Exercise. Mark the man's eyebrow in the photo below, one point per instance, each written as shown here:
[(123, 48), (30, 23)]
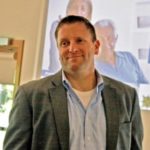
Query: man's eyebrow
[(63, 39)]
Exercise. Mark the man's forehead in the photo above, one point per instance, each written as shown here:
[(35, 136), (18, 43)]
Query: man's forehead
[(74, 36), (80, 26)]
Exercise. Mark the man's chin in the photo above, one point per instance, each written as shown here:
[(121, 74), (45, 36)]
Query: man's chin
[(73, 68)]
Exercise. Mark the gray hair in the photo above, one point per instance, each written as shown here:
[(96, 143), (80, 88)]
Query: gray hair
[(106, 23)]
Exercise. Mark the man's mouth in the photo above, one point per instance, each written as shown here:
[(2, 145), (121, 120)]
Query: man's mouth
[(73, 56)]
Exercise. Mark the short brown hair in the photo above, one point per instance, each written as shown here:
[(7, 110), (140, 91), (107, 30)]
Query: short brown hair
[(74, 19)]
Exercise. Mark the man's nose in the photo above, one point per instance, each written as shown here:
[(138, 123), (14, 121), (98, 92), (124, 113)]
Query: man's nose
[(73, 47)]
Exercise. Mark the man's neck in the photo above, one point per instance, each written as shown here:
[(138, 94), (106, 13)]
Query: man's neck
[(82, 82)]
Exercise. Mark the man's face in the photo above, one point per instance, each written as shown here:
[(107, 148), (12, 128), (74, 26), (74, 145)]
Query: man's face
[(107, 37), (79, 8), (76, 47)]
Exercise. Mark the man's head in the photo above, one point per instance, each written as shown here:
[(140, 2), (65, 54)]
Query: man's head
[(80, 8), (106, 33), (77, 43)]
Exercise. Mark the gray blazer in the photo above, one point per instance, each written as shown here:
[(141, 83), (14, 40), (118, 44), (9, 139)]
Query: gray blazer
[(39, 117)]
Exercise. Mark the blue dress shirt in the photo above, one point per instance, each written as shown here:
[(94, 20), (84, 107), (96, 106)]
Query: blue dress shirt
[(87, 126)]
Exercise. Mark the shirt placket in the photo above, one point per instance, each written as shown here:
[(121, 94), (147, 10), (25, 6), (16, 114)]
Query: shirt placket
[(88, 131)]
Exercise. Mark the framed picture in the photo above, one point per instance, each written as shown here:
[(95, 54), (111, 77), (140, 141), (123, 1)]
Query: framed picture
[(143, 53), (143, 21)]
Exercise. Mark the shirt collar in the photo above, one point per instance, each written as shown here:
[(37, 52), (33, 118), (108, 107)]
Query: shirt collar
[(99, 86), (65, 81)]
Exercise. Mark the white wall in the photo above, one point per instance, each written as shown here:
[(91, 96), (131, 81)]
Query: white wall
[(23, 19)]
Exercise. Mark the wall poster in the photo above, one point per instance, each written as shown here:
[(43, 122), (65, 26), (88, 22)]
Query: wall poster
[(132, 49)]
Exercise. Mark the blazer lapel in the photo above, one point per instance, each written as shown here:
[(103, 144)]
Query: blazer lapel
[(111, 106), (60, 107)]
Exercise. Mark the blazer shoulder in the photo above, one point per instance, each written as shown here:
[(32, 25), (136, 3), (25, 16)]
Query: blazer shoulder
[(117, 84), (43, 83)]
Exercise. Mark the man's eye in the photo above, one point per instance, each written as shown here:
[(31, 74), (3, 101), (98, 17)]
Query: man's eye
[(64, 44), (80, 41)]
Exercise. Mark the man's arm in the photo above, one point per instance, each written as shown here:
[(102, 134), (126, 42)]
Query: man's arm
[(137, 126), (18, 135)]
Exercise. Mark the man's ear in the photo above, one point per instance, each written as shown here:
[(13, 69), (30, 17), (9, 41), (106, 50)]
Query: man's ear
[(97, 46)]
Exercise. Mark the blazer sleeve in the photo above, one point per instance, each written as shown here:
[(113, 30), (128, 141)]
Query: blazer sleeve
[(19, 131), (137, 126)]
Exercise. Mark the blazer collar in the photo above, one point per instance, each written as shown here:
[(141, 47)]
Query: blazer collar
[(60, 108)]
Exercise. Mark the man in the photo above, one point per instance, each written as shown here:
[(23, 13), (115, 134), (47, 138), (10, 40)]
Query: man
[(74, 7), (120, 65), (77, 108)]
